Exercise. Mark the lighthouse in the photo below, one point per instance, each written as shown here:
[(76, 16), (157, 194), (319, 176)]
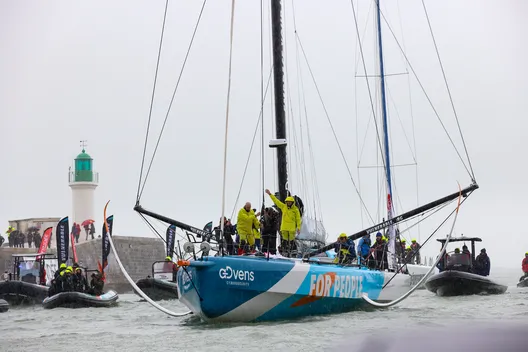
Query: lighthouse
[(83, 182)]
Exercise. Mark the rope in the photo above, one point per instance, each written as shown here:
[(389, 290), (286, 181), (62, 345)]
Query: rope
[(315, 198), (172, 99), (449, 92), (428, 238), (252, 144), (332, 126), (138, 290), (428, 98), (368, 85), (152, 101), (262, 161), (227, 113), (398, 300)]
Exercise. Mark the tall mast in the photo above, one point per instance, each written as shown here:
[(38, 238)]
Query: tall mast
[(391, 230), (278, 80)]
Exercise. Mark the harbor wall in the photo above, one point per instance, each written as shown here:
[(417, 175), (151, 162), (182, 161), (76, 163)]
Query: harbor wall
[(136, 253)]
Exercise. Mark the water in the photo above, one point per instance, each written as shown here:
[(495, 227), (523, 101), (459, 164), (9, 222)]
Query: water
[(134, 325)]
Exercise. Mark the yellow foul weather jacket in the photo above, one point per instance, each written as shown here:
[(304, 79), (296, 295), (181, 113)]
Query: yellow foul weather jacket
[(245, 222), (291, 217)]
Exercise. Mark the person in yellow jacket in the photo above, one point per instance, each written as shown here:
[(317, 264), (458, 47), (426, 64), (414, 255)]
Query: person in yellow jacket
[(246, 220), (291, 221), (256, 232)]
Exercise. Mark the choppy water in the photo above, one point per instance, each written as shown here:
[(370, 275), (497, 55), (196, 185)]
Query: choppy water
[(134, 325)]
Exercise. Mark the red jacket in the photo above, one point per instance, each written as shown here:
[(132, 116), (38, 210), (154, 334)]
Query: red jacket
[(525, 265)]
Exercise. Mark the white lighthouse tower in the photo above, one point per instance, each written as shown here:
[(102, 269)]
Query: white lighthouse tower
[(83, 182)]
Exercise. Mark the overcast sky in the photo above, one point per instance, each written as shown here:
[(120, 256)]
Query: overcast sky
[(85, 70)]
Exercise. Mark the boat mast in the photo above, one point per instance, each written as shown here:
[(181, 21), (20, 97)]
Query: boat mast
[(390, 215), (280, 115)]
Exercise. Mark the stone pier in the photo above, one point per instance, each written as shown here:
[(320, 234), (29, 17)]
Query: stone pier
[(136, 253)]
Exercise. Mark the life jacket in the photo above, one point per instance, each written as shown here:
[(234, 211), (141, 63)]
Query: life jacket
[(364, 246)]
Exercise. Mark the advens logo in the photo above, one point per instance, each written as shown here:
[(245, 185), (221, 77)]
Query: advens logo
[(187, 280), (236, 277)]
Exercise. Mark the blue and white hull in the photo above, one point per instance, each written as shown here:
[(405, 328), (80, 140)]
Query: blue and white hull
[(241, 288)]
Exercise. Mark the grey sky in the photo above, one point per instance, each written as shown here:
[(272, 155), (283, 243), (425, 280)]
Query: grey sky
[(73, 71)]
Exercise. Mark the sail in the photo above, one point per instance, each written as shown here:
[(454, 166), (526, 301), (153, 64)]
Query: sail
[(106, 240), (312, 230), (63, 240), (169, 240)]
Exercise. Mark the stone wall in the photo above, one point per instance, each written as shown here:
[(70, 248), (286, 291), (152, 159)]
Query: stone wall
[(136, 253)]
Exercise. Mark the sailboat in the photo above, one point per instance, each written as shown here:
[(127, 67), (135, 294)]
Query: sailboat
[(262, 288)]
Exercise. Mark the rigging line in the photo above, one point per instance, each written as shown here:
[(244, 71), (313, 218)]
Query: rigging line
[(411, 112), (173, 95), (152, 227), (448, 91), (380, 166), (302, 104), (152, 102), (433, 211), (272, 110), (262, 161), (363, 36), (391, 98), (227, 113), (367, 80), (455, 211), (428, 98), (365, 297), (315, 196), (252, 144), (332, 126), (358, 160), (288, 108), (309, 141)]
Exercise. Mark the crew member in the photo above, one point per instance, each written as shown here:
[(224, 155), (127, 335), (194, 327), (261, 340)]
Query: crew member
[(290, 224), (345, 250), (245, 221), (524, 266)]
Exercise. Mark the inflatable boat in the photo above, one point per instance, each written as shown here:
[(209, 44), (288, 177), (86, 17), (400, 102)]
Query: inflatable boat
[(20, 292), (80, 300), (4, 306), (158, 289)]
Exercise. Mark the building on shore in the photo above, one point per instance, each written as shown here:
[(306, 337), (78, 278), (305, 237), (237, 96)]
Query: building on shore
[(41, 224)]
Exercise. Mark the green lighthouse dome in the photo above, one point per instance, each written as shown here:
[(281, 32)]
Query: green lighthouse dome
[(83, 168)]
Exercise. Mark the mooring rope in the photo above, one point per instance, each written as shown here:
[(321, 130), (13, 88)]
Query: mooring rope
[(138, 290), (398, 300)]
